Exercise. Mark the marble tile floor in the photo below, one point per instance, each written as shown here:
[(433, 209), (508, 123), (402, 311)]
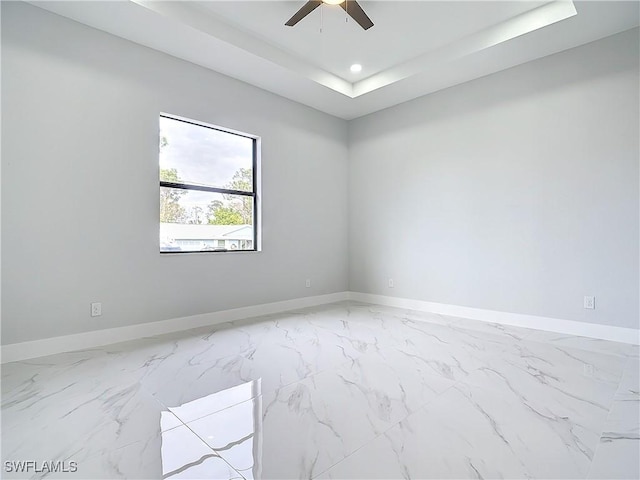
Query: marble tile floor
[(340, 391)]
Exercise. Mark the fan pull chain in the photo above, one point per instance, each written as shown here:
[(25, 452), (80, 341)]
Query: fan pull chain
[(321, 17), (346, 11)]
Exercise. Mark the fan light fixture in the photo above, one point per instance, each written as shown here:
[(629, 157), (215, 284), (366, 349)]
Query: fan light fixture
[(351, 7)]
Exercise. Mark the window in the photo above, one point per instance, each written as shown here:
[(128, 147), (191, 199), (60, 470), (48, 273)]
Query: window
[(208, 188)]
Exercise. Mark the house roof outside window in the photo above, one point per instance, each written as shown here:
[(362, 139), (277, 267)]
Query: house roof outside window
[(177, 231)]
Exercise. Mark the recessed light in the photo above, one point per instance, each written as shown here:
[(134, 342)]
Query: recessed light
[(356, 67)]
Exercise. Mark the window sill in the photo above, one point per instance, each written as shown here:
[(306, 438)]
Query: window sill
[(206, 252)]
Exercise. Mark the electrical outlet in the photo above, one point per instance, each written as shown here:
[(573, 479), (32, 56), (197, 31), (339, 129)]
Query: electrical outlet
[(588, 370), (96, 309), (391, 284), (590, 302), (308, 283)]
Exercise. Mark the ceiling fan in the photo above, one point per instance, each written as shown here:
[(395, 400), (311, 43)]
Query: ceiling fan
[(354, 10)]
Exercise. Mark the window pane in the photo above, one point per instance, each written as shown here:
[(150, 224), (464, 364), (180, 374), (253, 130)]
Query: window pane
[(203, 156), (202, 221)]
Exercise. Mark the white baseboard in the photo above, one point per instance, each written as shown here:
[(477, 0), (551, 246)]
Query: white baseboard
[(81, 341), (97, 338), (569, 327)]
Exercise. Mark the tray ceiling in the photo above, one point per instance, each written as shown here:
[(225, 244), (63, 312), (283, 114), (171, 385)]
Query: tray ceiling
[(414, 48)]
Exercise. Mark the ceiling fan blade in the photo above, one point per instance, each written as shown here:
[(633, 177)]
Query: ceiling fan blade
[(306, 9), (357, 13)]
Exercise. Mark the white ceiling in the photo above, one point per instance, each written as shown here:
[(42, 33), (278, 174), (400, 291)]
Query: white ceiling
[(341, 43), (414, 48)]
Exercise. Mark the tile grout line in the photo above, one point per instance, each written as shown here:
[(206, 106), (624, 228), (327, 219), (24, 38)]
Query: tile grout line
[(604, 425), (213, 449), (183, 424), (386, 430)]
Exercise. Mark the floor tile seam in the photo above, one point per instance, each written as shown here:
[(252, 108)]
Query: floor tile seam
[(438, 327), (158, 400), (112, 418), (385, 430), (602, 430), (619, 395), (112, 450), (626, 397), (481, 356), (497, 390), (530, 332), (182, 422), (501, 336), (526, 337), (462, 382), (449, 323), (145, 439), (456, 381), (260, 395), (631, 362), (569, 349), (572, 347), (595, 450), (213, 449), (471, 371), (263, 392), (617, 392), (450, 327), (383, 348), (315, 373), (597, 352), (82, 382), (631, 357), (425, 404), (274, 390), (254, 320), (496, 339)]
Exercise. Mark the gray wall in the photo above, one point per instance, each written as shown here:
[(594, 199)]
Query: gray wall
[(516, 192), (80, 193)]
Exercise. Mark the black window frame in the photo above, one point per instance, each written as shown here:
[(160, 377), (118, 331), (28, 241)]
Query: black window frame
[(202, 188)]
